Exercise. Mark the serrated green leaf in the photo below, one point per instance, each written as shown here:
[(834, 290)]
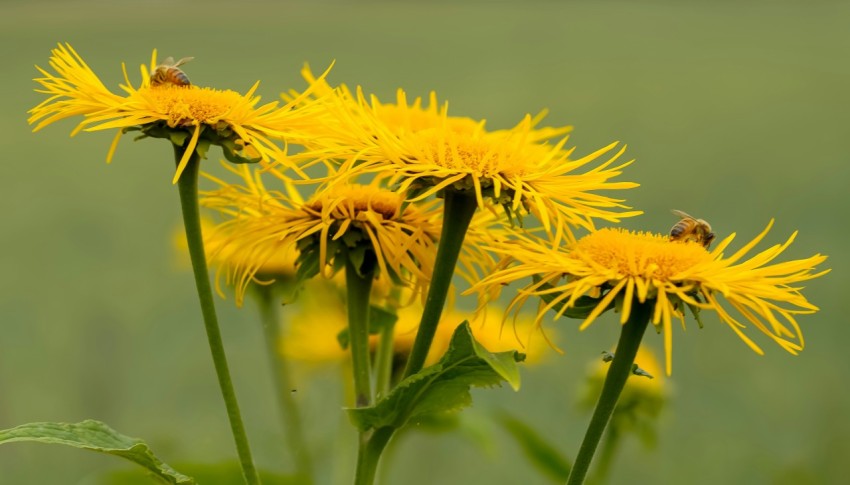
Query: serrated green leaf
[(539, 451), (442, 387), (96, 436)]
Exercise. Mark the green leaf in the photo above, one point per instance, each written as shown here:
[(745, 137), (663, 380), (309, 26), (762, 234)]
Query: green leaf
[(540, 452), (205, 473), (442, 387), (95, 436)]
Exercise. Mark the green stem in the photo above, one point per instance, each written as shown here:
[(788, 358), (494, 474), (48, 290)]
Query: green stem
[(188, 187), (384, 361), (458, 210), (630, 337), (288, 407), (369, 454), (358, 284), (610, 444)]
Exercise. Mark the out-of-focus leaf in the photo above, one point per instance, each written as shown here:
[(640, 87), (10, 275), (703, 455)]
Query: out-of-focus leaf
[(96, 436), (206, 474), (542, 454)]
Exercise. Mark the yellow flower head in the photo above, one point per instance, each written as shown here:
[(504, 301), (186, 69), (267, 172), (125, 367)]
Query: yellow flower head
[(399, 117), (424, 150), (614, 267), (336, 224), (280, 267), (188, 115)]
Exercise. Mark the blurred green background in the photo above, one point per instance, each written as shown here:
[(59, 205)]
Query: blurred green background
[(735, 112)]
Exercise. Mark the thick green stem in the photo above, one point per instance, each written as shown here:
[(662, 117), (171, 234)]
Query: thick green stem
[(458, 210), (630, 337), (287, 405), (605, 458), (358, 284), (188, 187), (372, 444)]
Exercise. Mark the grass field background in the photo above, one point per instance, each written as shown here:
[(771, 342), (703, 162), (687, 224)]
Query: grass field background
[(735, 112)]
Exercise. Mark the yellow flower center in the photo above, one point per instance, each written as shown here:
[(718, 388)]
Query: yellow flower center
[(639, 254), (407, 119), (484, 155), (358, 199), (191, 105)]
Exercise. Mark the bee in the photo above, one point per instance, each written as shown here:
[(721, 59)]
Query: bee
[(169, 73), (691, 229)]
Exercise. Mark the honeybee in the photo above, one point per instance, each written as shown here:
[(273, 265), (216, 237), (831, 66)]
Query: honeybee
[(691, 229), (169, 73)]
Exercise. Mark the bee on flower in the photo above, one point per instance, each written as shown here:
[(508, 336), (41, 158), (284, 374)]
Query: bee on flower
[(616, 268)]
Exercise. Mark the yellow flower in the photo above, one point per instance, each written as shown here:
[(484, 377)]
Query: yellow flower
[(311, 328), (191, 115), (399, 117), (425, 150), (641, 401), (342, 222), (524, 337), (280, 267), (615, 267), (311, 334)]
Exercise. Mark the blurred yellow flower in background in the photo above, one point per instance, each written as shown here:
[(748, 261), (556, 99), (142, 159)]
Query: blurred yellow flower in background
[(311, 331), (280, 267), (639, 406), (616, 267), (186, 114), (640, 389)]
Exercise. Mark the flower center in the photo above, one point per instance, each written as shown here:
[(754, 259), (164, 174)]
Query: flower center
[(357, 199), (466, 152), (639, 254), (191, 105), (414, 119)]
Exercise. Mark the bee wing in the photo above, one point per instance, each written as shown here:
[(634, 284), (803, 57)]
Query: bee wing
[(168, 61), (181, 61), (683, 215)]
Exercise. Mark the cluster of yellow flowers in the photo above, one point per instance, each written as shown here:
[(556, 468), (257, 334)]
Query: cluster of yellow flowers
[(377, 167)]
